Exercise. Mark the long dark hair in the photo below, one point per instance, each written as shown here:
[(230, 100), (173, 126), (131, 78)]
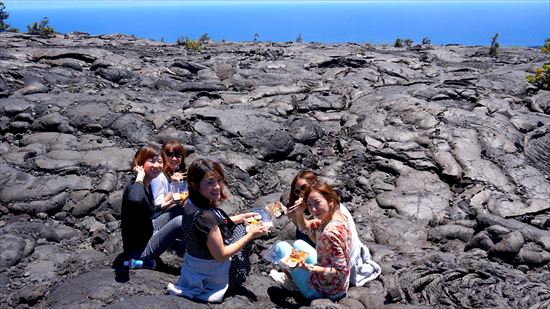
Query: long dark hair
[(195, 174), (175, 146), (309, 176)]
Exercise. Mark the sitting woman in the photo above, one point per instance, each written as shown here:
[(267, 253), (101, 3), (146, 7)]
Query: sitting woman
[(214, 260), (299, 184), (326, 271), (363, 268), (173, 174), (143, 237)]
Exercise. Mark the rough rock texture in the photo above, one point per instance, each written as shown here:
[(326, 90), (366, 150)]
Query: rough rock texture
[(441, 154)]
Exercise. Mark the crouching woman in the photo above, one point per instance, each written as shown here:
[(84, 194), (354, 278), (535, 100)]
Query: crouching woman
[(214, 241), (326, 271)]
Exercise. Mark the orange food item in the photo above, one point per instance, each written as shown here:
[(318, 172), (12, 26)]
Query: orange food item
[(184, 195), (254, 220), (297, 256)]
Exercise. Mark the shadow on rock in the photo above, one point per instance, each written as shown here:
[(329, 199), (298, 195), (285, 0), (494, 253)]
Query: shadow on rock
[(122, 273), (286, 299)]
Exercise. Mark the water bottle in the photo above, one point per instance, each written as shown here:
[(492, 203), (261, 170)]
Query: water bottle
[(133, 264), (183, 186)]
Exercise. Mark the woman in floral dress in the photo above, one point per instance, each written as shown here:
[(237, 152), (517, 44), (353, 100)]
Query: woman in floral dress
[(325, 273)]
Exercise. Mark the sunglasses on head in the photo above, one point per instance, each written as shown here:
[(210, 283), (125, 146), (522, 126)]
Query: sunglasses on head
[(171, 154)]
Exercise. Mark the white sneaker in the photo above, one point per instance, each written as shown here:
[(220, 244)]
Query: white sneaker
[(283, 280), (173, 289)]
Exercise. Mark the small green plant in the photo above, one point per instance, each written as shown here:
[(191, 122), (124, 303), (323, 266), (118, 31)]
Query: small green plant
[(299, 39), (545, 49), (5, 27), (204, 38), (189, 44), (192, 44), (426, 41), (493, 50), (541, 79), (256, 37), (41, 29), (408, 42), (3, 16), (398, 43)]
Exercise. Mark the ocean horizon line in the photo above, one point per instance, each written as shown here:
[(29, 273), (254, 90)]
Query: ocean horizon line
[(34, 4), (464, 22)]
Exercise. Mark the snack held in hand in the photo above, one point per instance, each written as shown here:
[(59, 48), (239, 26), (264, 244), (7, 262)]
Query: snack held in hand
[(276, 209), (256, 220), (184, 195), (253, 221), (295, 257)]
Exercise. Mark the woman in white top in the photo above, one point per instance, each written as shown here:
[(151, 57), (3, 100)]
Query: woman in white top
[(174, 171)]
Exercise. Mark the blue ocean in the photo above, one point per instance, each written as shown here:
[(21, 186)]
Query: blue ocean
[(519, 23)]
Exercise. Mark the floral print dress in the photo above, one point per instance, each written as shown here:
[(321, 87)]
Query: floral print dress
[(334, 254)]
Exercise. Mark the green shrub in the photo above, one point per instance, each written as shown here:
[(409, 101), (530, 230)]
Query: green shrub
[(195, 45), (256, 37), (493, 50), (426, 41), (541, 79), (204, 38), (398, 43), (189, 44), (408, 42), (3, 16), (546, 48), (299, 38), (41, 29)]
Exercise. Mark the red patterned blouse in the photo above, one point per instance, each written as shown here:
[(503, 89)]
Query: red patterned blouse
[(334, 254)]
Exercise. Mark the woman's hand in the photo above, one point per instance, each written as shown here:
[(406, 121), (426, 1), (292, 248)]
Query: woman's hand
[(139, 172), (298, 207), (178, 176), (169, 201), (258, 230), (307, 267), (243, 217), (314, 224)]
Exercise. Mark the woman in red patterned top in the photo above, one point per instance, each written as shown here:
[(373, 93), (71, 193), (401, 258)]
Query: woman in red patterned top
[(328, 276)]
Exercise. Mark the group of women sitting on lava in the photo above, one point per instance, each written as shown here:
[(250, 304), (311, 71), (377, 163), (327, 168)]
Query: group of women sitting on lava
[(217, 246)]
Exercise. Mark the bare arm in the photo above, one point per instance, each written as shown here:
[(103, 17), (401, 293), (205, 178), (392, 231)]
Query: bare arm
[(168, 201), (238, 219), (220, 252)]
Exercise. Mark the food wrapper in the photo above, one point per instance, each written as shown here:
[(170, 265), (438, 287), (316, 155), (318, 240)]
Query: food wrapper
[(262, 217), (295, 257), (291, 261), (276, 209)]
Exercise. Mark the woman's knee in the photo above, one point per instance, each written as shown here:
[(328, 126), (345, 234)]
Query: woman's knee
[(282, 249), (304, 246)]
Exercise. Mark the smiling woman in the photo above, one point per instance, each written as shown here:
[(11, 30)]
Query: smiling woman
[(218, 250), (143, 237), (464, 22)]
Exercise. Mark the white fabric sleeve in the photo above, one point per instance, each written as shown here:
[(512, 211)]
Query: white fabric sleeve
[(159, 188)]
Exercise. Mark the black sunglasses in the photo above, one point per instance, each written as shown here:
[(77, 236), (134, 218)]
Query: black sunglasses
[(299, 190), (171, 154)]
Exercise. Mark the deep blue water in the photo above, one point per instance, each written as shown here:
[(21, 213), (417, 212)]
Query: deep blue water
[(520, 23)]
